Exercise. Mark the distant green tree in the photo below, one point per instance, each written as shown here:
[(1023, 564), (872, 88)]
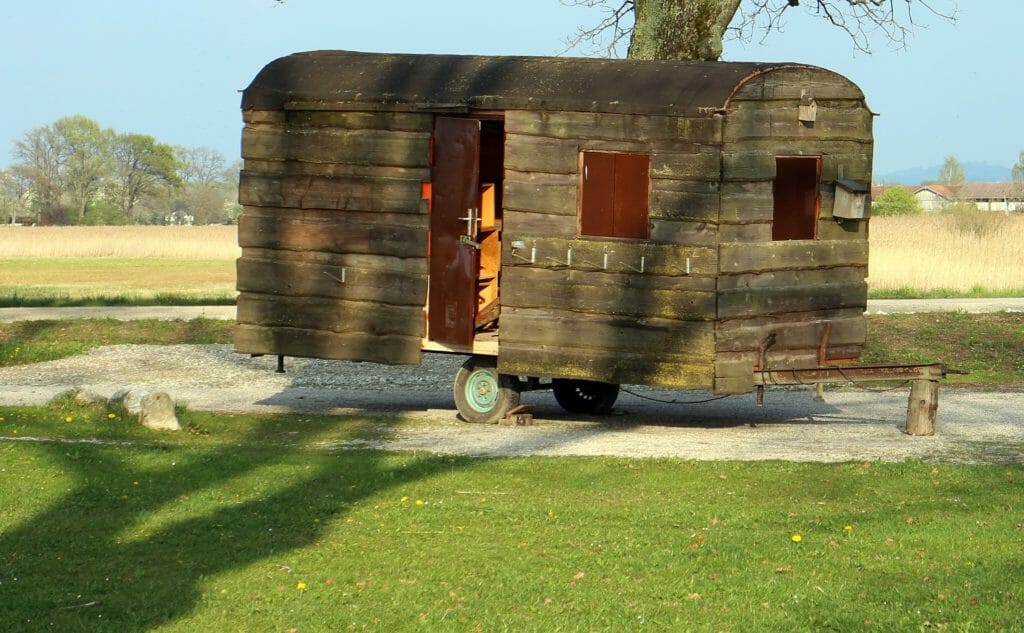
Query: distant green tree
[(209, 188), (142, 167), (896, 201), (200, 165), (42, 155), (103, 212), (14, 195), (65, 164), (87, 164), (952, 173), (74, 171)]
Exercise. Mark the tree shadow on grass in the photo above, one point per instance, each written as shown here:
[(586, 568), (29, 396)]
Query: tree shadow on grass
[(88, 561)]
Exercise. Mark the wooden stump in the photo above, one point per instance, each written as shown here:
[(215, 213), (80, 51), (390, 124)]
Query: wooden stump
[(922, 408)]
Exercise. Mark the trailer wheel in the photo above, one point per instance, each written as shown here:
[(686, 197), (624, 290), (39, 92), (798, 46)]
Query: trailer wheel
[(482, 395), (585, 396)]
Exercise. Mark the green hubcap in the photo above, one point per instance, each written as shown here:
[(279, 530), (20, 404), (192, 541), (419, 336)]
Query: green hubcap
[(482, 391)]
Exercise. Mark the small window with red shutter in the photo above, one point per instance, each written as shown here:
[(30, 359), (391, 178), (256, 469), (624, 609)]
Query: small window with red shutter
[(614, 194)]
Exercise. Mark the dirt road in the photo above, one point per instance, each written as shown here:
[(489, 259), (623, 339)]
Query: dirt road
[(851, 424)]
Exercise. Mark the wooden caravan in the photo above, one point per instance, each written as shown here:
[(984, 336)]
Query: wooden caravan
[(596, 222)]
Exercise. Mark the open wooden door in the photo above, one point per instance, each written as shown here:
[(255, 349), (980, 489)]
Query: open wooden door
[(455, 214)]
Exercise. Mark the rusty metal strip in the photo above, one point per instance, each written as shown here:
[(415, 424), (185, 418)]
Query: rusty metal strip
[(859, 373)]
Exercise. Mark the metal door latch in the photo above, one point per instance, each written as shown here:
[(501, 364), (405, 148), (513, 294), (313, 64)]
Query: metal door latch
[(471, 219)]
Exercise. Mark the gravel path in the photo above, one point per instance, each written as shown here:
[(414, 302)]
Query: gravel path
[(849, 425)]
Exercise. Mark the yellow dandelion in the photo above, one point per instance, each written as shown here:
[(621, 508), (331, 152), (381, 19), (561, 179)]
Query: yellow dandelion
[(796, 538), (69, 419), (420, 502), (111, 416), (405, 499), (847, 528), (301, 586)]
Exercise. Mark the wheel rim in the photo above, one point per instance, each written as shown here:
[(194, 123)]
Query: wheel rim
[(482, 391), (585, 394)]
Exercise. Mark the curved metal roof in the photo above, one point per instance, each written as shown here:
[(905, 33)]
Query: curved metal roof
[(499, 83)]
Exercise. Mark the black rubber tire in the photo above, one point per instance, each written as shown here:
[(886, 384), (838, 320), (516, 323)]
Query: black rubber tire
[(482, 395), (585, 396)]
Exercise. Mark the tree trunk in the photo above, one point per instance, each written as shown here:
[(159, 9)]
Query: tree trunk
[(680, 29)]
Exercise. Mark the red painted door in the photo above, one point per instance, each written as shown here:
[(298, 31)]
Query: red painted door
[(455, 190)]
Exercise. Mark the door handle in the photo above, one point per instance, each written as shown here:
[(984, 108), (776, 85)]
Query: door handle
[(470, 220)]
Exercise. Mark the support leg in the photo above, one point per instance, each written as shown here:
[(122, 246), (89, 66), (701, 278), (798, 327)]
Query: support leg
[(922, 407)]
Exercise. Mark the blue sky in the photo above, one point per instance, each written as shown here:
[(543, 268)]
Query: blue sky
[(173, 68)]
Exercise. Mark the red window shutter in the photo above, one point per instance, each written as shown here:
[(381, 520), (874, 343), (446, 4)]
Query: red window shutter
[(632, 192), (615, 195)]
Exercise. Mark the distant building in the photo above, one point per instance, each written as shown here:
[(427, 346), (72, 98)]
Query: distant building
[(987, 196), (994, 196), (179, 218)]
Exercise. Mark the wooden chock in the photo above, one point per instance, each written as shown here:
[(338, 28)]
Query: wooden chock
[(521, 415), (922, 407)]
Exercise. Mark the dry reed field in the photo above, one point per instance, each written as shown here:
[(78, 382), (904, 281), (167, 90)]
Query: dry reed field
[(946, 252), (124, 242), (126, 262)]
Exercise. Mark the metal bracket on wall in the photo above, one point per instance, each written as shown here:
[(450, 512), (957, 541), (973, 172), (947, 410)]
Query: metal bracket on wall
[(519, 244), (643, 264), (344, 271), (568, 258), (685, 271)]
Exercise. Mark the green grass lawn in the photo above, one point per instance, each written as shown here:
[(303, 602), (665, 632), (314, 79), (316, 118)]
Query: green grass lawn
[(255, 524), (23, 342), (250, 523), (977, 292), (990, 347)]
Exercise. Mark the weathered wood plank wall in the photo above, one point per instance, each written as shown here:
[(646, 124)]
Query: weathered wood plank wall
[(789, 289), (333, 234), (591, 313), (334, 238)]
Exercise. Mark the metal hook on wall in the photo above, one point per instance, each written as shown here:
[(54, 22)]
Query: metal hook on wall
[(340, 281), (518, 244), (604, 260), (568, 258), (643, 264), (685, 271)]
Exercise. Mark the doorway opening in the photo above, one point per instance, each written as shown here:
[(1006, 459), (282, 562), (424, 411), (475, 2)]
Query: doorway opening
[(795, 214), (467, 171)]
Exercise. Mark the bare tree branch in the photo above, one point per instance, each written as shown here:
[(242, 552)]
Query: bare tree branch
[(863, 21), (603, 39)]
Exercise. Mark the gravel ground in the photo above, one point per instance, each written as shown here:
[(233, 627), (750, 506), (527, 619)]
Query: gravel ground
[(850, 425)]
